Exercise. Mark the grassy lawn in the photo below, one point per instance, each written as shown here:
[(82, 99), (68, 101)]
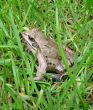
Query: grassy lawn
[(69, 22)]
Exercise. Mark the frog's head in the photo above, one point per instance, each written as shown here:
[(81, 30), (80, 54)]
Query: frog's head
[(29, 38)]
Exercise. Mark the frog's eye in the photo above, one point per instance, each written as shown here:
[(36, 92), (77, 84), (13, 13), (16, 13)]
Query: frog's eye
[(31, 38)]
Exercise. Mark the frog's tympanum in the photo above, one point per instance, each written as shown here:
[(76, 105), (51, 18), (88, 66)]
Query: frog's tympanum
[(48, 56)]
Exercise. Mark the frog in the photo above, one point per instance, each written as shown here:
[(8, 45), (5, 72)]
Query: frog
[(48, 55)]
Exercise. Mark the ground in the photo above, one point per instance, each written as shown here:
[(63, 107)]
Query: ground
[(68, 22)]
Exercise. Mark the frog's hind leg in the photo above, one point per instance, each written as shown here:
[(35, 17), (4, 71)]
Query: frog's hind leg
[(41, 69), (60, 77)]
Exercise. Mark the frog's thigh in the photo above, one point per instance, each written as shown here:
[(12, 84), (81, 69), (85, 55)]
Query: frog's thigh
[(41, 69)]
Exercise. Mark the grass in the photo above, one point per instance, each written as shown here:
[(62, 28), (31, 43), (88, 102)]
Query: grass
[(69, 22)]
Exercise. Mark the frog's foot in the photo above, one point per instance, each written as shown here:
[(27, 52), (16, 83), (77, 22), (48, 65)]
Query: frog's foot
[(38, 78), (39, 74), (59, 77)]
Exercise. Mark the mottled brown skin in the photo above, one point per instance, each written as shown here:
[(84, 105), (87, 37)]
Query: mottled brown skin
[(48, 53)]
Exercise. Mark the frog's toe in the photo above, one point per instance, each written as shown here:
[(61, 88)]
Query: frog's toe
[(37, 78)]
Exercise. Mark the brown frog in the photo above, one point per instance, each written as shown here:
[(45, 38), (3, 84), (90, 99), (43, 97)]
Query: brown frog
[(48, 53)]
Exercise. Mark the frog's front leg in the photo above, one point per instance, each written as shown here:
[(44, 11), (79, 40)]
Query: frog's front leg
[(41, 69)]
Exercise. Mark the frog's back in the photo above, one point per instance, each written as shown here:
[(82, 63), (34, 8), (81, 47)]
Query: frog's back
[(48, 47)]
